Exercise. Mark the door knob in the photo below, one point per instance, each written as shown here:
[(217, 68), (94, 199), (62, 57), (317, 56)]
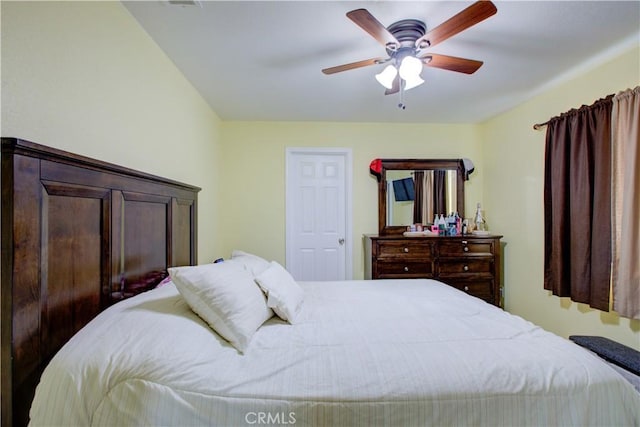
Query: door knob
[(341, 241)]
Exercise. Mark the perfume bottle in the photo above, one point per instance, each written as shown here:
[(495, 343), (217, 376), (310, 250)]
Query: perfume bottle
[(479, 222)]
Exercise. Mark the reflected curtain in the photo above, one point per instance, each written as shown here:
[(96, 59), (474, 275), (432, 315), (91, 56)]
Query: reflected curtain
[(439, 192), (626, 203), (428, 197), (418, 201), (577, 205), (423, 203)]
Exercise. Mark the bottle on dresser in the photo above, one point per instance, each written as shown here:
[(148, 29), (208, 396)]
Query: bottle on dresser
[(478, 220), (442, 225)]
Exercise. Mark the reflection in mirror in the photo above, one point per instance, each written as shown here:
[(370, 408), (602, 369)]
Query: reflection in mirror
[(407, 190), (416, 196)]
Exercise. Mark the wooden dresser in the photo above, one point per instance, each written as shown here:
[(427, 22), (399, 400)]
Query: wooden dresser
[(470, 263)]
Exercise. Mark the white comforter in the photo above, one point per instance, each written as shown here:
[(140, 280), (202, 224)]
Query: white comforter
[(394, 352)]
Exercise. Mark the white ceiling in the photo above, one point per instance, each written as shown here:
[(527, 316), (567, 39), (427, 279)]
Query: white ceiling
[(262, 60)]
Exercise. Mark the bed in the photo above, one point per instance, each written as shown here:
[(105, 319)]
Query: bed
[(361, 353), (115, 339)]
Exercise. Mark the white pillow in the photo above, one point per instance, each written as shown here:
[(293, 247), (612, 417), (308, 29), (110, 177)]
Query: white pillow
[(253, 263), (226, 297), (284, 295)]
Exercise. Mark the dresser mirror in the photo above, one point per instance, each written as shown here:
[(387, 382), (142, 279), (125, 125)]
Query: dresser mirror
[(412, 191)]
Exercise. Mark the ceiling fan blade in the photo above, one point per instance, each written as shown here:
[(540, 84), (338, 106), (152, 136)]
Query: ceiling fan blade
[(371, 25), (477, 12), (395, 88), (351, 66), (451, 63)]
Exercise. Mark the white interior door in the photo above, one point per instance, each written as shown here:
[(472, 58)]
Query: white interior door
[(318, 220)]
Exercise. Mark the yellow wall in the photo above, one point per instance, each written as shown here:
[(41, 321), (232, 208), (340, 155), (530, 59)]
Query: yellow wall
[(84, 77), (508, 180), (254, 171), (513, 188)]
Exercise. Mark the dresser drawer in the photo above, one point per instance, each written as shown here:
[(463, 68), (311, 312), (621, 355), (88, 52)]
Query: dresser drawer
[(482, 289), (403, 269), (465, 266), (464, 247), (405, 249), (469, 263)]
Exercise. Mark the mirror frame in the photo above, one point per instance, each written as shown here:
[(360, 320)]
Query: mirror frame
[(414, 164)]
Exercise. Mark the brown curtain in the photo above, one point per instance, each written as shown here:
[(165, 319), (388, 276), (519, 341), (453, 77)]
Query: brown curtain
[(577, 205), (626, 203), (423, 204), (439, 192), (427, 207), (418, 201)]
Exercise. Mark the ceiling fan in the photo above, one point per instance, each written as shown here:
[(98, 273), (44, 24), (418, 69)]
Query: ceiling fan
[(405, 42)]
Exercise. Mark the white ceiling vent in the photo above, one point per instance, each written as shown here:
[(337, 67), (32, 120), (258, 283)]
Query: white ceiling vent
[(185, 3)]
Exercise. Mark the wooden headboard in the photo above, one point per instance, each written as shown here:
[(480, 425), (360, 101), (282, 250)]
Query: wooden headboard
[(78, 235)]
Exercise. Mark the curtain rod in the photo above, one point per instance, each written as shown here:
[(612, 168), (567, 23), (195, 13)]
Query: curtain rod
[(539, 126)]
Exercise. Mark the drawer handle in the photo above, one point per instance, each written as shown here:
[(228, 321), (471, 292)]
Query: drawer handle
[(465, 268), (466, 249), (406, 250), (464, 242), (466, 289), (406, 269)]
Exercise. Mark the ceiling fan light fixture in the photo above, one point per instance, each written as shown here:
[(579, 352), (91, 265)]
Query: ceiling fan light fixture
[(412, 82), (410, 68), (405, 41), (386, 76)]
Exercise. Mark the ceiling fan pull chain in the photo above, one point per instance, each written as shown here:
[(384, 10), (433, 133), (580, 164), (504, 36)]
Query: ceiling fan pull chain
[(401, 104)]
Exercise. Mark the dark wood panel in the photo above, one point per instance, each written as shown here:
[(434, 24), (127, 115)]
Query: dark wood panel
[(405, 248), (20, 286), (404, 269), (75, 228), (82, 170), (183, 220), (146, 239), (75, 232), (465, 267), (463, 247)]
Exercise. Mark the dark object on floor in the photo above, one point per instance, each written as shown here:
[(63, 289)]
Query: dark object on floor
[(616, 353)]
